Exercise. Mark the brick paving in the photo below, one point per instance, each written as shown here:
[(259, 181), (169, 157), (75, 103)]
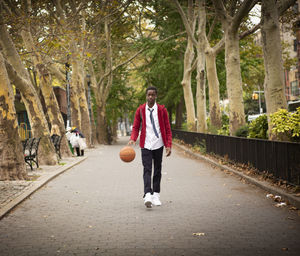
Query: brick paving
[(96, 208)]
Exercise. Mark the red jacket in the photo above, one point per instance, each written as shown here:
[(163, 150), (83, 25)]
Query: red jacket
[(164, 125)]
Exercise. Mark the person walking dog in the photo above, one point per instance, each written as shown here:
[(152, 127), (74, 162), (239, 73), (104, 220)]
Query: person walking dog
[(154, 136)]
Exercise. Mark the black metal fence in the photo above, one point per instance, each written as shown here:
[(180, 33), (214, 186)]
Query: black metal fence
[(282, 159)]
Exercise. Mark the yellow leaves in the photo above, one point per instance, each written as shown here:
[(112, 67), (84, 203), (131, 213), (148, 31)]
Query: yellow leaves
[(285, 122), (198, 234)]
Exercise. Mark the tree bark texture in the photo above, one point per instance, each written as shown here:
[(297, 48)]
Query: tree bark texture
[(201, 94), (103, 89), (52, 107), (12, 164), (274, 72), (179, 114), (234, 81), (75, 84), (231, 20), (84, 111), (213, 89), (19, 76), (187, 74), (102, 135)]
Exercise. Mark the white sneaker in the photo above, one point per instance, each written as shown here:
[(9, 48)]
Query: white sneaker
[(155, 199), (148, 200)]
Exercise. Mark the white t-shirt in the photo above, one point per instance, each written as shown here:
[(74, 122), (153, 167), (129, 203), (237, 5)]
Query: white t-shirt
[(151, 141)]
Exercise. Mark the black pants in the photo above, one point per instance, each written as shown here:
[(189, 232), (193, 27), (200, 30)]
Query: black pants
[(78, 152), (147, 157)]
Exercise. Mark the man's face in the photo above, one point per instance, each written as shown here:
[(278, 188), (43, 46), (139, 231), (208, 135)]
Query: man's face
[(151, 97)]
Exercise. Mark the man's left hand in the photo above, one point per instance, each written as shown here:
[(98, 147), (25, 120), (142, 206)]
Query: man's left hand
[(168, 151)]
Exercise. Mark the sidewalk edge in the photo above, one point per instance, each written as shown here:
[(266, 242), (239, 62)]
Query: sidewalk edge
[(293, 200), (37, 185)]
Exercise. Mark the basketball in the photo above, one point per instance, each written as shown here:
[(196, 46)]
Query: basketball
[(127, 154)]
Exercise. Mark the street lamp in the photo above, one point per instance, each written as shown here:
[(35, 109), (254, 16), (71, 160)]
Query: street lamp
[(255, 96), (67, 65), (88, 78)]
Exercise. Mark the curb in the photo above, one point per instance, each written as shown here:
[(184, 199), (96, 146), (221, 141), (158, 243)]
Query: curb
[(263, 185), (37, 185)]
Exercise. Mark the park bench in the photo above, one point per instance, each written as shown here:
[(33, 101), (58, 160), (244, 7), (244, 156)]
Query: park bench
[(56, 140), (30, 150)]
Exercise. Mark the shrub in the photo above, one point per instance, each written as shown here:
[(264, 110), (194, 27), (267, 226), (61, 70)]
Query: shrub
[(287, 124), (258, 128), (225, 125), (242, 131)]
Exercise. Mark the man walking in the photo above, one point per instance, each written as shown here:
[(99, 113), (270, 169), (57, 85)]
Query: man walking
[(155, 134)]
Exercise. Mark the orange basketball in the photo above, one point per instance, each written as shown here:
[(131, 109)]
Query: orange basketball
[(127, 154)]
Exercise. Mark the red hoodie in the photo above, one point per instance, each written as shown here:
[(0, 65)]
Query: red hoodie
[(164, 125)]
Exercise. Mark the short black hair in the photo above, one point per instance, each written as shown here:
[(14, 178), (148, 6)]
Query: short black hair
[(151, 88)]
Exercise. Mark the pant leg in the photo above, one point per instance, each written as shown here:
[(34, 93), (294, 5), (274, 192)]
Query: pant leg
[(147, 164), (82, 152), (77, 151), (157, 156)]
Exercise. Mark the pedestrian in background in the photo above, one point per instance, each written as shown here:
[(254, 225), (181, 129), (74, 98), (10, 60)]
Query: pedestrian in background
[(155, 135), (77, 141)]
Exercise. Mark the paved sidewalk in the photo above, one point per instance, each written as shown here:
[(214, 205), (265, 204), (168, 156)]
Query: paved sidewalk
[(289, 197), (13, 193), (96, 208)]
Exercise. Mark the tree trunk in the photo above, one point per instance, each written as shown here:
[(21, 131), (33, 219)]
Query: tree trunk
[(213, 89), (12, 164), (101, 125), (274, 79), (104, 88), (234, 81), (19, 76), (94, 89), (52, 106), (186, 84), (75, 84), (179, 114), (201, 94), (84, 111)]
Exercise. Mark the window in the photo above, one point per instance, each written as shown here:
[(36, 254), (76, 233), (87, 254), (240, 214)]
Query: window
[(295, 88)]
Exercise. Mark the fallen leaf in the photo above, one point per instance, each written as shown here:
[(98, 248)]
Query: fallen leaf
[(284, 249), (277, 198), (280, 204), (198, 234), (293, 208)]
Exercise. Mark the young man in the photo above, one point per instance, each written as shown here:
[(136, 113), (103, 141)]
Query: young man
[(155, 134)]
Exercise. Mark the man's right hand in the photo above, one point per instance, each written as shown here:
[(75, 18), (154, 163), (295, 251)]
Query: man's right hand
[(131, 142)]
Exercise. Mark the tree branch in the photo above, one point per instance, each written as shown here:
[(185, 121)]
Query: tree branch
[(250, 31), (244, 9), (284, 5), (186, 23), (212, 27)]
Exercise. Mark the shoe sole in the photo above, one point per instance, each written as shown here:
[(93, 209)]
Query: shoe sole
[(148, 204)]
